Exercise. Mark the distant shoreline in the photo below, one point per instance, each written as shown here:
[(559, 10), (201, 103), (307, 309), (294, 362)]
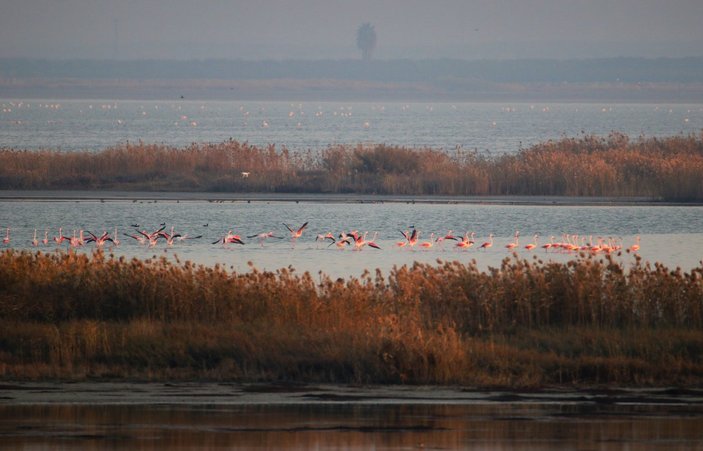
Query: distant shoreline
[(191, 196)]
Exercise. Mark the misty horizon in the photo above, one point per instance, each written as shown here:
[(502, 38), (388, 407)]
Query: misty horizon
[(317, 29)]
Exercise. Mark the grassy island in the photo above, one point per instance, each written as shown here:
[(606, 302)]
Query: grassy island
[(661, 168)]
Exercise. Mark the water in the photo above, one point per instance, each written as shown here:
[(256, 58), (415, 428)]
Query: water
[(672, 235), (235, 416), (485, 127)]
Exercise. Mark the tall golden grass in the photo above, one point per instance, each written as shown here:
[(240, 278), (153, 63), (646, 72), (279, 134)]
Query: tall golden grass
[(666, 168), (589, 321)]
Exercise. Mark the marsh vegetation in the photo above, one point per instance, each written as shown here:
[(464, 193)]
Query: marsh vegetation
[(526, 323), (661, 168)]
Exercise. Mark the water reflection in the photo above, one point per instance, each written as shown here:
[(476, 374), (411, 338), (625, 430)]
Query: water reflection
[(351, 426)]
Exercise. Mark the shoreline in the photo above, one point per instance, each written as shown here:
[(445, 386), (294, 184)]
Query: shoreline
[(194, 196), (13, 393)]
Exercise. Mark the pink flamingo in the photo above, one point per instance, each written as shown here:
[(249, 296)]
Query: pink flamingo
[(514, 244), (488, 243), (295, 234), (428, 244), (532, 245), (372, 243), (6, 240), (634, 248), (265, 235), (229, 238), (35, 241), (549, 245), (60, 238)]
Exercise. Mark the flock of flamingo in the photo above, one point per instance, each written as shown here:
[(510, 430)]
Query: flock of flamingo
[(354, 240)]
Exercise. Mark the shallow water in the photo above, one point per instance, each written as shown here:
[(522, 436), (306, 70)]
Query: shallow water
[(485, 127), (672, 235)]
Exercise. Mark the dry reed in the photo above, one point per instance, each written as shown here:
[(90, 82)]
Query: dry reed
[(665, 168), (589, 321)]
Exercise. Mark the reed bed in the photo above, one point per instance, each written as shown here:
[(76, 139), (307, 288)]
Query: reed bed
[(664, 168), (526, 323)]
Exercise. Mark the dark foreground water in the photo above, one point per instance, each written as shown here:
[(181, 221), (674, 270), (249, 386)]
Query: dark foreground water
[(215, 416)]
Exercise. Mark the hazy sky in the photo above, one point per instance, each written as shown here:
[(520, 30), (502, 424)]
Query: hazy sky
[(310, 29)]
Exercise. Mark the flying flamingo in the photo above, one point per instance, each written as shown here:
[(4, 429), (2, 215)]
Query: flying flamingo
[(295, 234), (412, 240), (98, 240), (229, 238), (341, 243), (359, 241), (406, 235), (323, 237), (263, 236), (488, 243), (140, 239)]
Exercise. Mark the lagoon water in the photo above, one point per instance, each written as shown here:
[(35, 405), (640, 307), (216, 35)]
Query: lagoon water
[(672, 235), (484, 127)]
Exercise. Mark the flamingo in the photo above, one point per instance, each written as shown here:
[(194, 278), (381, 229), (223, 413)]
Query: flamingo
[(412, 241), (229, 238), (263, 236), (140, 239), (372, 242), (6, 240), (341, 243), (35, 241), (115, 239), (532, 245), (359, 241), (549, 245), (428, 244), (295, 234), (466, 242), (98, 240), (406, 235), (60, 238), (488, 243), (45, 241), (514, 244), (634, 248), (448, 236), (169, 237), (326, 236)]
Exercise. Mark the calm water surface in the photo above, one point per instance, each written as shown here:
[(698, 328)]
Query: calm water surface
[(391, 427), (486, 127), (216, 416), (672, 235)]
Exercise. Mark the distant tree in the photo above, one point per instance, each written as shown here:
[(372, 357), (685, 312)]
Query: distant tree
[(366, 40)]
